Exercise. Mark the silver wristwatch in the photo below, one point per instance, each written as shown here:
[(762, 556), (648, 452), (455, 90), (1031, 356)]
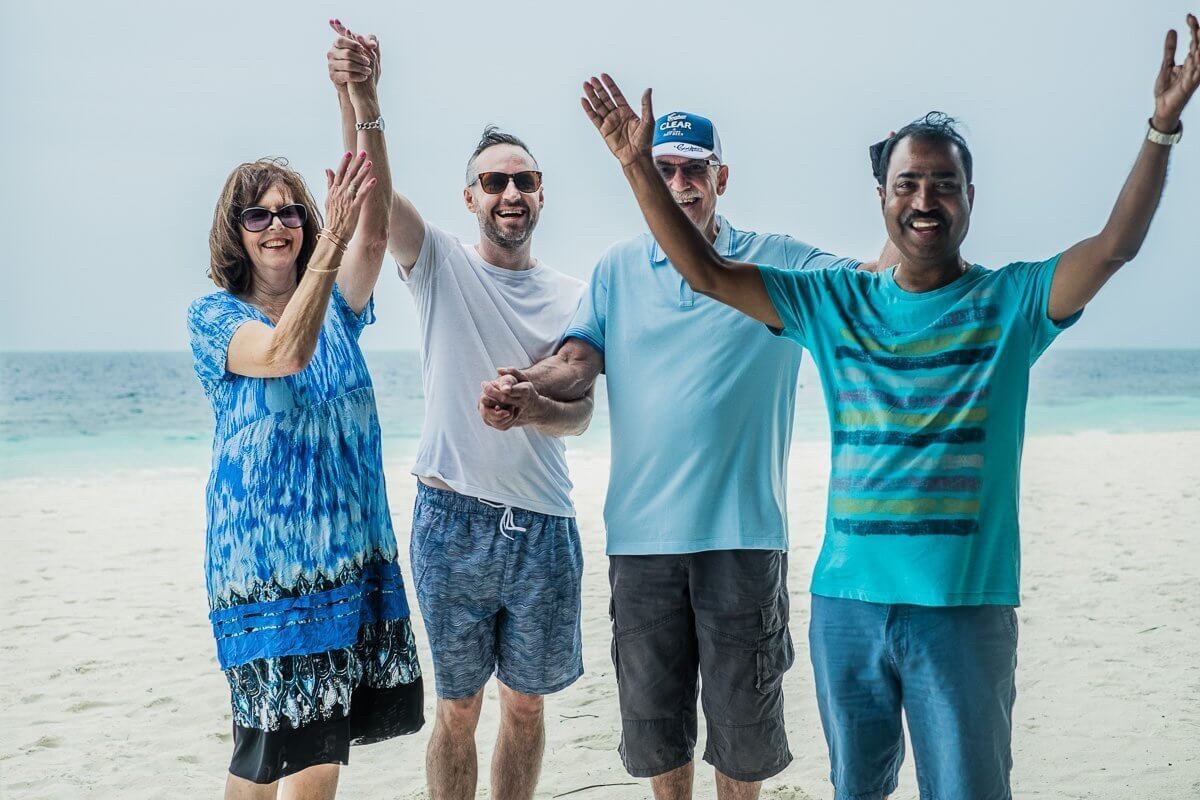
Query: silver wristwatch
[(373, 125), (1158, 137)]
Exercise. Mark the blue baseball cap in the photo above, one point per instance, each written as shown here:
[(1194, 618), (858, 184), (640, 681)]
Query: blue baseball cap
[(689, 135)]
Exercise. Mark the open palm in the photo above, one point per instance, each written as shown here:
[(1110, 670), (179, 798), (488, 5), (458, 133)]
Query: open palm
[(627, 135), (1176, 83)]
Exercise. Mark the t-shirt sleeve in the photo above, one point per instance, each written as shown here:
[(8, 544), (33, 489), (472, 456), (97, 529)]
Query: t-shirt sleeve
[(434, 247), (592, 314), (795, 294), (805, 256), (1032, 281), (801, 255), (212, 321), (354, 322)]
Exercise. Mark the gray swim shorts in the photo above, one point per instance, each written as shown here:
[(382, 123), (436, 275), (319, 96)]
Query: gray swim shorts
[(722, 616), (499, 593)]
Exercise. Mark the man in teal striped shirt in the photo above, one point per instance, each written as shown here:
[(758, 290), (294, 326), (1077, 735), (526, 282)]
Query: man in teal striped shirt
[(925, 371)]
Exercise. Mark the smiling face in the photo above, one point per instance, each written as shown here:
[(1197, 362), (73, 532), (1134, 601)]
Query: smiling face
[(506, 219), (926, 200), (273, 252), (695, 186)]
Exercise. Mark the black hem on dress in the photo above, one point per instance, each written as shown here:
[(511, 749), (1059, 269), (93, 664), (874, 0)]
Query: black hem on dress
[(375, 715)]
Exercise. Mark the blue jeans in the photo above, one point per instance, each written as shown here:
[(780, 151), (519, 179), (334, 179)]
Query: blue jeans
[(950, 669), (499, 592)]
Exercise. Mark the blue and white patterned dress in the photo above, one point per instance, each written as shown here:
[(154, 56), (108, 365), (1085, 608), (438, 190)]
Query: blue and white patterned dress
[(307, 600)]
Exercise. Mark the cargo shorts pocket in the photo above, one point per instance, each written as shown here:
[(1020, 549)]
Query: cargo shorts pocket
[(775, 651), (612, 617)]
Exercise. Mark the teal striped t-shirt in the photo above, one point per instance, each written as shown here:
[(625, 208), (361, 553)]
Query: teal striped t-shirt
[(926, 394)]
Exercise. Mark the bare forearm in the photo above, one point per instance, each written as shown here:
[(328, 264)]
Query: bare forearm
[(558, 418), (684, 244), (346, 111), (735, 284), (567, 375), (373, 226), (364, 258), (1136, 205), (294, 339)]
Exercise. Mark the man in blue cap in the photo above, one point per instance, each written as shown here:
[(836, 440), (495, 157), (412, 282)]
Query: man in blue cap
[(701, 404)]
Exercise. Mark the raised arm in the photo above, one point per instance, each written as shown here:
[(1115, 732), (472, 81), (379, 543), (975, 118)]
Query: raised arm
[(554, 395), (1087, 266), (629, 138), (354, 68), (363, 259), (259, 350)]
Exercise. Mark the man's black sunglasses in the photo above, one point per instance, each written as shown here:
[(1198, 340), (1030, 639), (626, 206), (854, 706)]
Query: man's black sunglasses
[(527, 182)]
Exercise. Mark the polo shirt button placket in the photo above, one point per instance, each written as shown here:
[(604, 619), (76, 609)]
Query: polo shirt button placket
[(687, 297)]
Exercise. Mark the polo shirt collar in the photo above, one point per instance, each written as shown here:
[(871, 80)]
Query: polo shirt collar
[(723, 245)]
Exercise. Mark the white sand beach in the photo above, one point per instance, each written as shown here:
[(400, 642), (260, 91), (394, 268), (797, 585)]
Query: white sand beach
[(110, 685)]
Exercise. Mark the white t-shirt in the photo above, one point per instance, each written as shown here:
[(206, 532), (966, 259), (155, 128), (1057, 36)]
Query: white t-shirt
[(475, 318)]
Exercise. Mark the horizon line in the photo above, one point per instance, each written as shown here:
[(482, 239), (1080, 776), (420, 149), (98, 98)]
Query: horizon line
[(383, 351)]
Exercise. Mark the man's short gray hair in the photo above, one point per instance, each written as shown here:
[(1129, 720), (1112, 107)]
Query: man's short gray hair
[(492, 136)]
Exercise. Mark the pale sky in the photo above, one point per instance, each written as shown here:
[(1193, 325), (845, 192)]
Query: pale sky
[(122, 121)]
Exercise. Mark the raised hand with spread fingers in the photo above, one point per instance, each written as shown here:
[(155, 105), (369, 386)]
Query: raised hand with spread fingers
[(1176, 83), (627, 135)]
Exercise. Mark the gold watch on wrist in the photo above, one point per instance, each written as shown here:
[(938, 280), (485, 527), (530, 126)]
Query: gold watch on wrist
[(1158, 137)]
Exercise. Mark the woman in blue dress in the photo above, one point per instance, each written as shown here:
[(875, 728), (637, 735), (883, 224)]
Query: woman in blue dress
[(307, 602)]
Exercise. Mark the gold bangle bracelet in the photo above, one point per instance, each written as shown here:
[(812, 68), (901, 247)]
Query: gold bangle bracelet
[(314, 269), (332, 240)]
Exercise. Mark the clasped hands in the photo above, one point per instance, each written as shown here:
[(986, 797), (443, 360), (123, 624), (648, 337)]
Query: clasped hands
[(511, 400), (354, 60)]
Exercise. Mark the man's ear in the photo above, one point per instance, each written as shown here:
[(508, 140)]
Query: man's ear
[(469, 199), (882, 196), (722, 178), (971, 195), (541, 198)]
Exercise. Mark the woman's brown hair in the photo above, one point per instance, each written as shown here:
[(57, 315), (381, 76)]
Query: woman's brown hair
[(230, 267)]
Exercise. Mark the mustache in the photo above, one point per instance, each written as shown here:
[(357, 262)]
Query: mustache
[(511, 207), (935, 215)]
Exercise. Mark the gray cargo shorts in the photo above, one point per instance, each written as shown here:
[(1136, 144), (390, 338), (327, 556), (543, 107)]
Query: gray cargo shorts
[(722, 616)]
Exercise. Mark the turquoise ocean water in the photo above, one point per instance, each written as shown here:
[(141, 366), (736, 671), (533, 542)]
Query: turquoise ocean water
[(87, 413)]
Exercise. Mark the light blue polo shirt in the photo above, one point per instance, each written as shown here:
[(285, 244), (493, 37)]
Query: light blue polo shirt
[(701, 400)]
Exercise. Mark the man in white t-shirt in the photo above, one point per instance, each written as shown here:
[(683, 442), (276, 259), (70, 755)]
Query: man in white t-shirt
[(495, 551)]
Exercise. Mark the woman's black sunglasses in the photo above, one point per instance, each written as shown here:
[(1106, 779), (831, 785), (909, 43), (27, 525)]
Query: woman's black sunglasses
[(257, 218), (528, 181)]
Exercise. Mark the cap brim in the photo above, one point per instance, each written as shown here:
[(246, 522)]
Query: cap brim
[(681, 149)]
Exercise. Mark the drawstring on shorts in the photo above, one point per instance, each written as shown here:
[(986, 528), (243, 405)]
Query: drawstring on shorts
[(506, 519)]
